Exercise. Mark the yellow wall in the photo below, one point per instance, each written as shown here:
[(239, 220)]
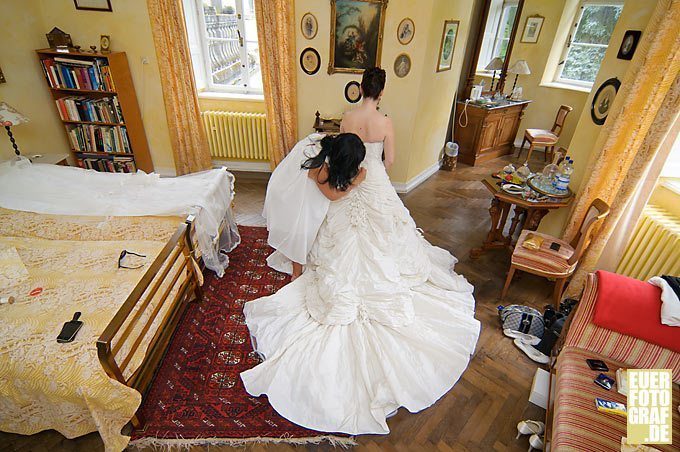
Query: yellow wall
[(635, 15), (21, 32), (437, 89), (419, 104), (24, 24), (546, 100)]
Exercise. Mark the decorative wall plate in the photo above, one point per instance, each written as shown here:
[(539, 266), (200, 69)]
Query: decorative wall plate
[(603, 100), (310, 61), (402, 65), (406, 31), (353, 92), (309, 26)]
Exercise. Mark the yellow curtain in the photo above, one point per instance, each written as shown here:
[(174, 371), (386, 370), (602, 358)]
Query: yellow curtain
[(276, 37), (644, 111), (189, 144)]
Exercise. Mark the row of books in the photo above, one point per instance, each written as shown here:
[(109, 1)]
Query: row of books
[(108, 164), (92, 138), (78, 74), (74, 108)]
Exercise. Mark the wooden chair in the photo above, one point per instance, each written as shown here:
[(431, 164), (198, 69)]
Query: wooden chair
[(558, 265), (543, 137)]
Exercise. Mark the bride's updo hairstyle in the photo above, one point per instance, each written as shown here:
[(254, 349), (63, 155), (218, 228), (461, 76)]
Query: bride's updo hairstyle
[(344, 152), (373, 82)]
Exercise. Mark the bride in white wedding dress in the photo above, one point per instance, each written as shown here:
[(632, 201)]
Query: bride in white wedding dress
[(377, 321)]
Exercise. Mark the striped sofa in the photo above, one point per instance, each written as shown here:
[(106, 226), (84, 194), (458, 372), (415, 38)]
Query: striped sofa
[(577, 425)]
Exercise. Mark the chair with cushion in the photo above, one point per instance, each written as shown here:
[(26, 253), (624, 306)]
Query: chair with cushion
[(543, 137), (558, 265)]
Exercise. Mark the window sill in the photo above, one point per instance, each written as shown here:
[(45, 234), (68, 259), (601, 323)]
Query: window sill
[(567, 86), (231, 96), (672, 184)]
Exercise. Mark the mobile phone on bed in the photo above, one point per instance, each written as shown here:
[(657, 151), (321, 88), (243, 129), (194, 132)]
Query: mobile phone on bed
[(597, 364), (555, 246), (70, 329)]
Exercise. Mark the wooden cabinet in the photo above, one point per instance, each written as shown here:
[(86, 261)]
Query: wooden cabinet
[(489, 132)]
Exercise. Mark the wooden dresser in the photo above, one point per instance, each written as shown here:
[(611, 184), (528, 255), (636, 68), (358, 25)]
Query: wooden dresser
[(490, 131)]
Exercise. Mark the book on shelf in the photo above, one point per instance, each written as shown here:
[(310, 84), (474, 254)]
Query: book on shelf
[(74, 108), (108, 164), (95, 138), (68, 73)]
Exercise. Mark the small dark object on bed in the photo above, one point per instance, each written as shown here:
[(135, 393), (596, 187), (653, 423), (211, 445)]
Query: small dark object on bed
[(555, 246), (597, 364), (70, 329)]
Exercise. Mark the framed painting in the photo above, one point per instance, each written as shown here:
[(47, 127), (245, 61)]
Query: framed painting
[(356, 35), (532, 29), (447, 46), (93, 5)]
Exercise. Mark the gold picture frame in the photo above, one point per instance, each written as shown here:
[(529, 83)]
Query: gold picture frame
[(532, 29), (363, 47), (447, 46)]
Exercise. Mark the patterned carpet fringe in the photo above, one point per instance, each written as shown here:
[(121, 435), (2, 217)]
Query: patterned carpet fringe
[(187, 444)]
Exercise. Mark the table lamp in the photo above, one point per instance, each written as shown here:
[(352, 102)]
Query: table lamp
[(9, 117), (519, 68), (494, 65)]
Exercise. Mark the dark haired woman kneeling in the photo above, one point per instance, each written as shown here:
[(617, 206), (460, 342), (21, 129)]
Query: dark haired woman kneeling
[(317, 170)]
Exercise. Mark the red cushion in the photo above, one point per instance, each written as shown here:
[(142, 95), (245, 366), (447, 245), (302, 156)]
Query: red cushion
[(633, 307)]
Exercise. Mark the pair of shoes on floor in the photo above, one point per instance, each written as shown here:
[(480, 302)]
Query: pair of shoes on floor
[(529, 350), (526, 338), (535, 429)]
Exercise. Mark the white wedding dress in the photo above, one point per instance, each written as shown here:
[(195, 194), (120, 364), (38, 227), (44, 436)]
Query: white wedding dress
[(377, 321)]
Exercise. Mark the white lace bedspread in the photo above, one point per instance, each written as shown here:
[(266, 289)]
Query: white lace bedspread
[(48, 385)]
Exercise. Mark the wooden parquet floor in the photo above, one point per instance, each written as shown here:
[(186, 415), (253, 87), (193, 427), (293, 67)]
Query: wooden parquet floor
[(481, 412)]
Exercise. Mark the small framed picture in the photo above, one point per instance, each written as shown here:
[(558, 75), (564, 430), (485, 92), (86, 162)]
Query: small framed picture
[(532, 29), (353, 92), (406, 31), (447, 45), (105, 43), (93, 5), (309, 26), (402, 65), (310, 61), (629, 44)]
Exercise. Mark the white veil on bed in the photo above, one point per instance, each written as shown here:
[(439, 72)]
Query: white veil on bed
[(63, 190)]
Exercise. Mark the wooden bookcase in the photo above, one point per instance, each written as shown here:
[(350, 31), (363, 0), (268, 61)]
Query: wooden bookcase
[(126, 96)]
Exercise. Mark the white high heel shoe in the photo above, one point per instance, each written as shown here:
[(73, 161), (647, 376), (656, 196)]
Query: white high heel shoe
[(535, 442), (530, 427)]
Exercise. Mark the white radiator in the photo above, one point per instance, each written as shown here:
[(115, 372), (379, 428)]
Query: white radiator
[(654, 247), (236, 135)]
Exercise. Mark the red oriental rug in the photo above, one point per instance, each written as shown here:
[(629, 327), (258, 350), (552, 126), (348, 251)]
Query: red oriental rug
[(197, 396)]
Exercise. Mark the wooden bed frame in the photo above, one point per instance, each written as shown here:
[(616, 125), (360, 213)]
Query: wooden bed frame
[(175, 259)]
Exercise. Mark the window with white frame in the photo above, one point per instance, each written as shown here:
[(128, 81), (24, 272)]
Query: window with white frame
[(223, 44), (587, 42), (497, 32)]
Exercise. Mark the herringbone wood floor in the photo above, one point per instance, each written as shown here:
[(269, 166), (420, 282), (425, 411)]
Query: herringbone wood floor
[(481, 412)]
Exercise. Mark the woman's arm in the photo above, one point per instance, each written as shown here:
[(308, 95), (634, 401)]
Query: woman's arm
[(321, 174), (389, 143)]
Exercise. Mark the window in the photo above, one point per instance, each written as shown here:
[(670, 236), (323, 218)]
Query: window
[(587, 42), (497, 32), (223, 44)]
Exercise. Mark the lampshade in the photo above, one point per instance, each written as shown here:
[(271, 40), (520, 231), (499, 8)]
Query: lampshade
[(11, 115), (495, 65), (520, 67)]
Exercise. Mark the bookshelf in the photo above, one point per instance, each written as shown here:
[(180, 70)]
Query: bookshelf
[(96, 101)]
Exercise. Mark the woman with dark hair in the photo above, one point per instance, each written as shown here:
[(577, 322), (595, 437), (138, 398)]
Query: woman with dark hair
[(317, 170), (379, 319), (366, 121)]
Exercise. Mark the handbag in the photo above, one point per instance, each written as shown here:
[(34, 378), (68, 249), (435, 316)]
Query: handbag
[(522, 319)]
